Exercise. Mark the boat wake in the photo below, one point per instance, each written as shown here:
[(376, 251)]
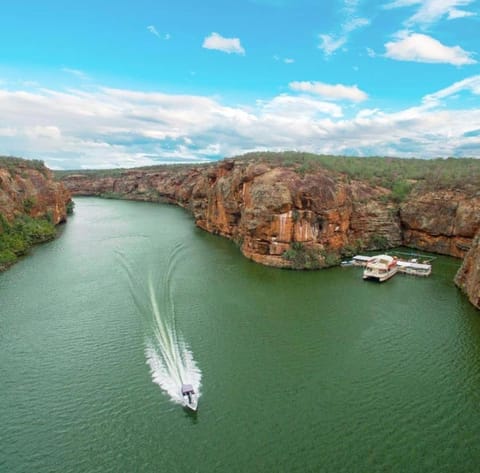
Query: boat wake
[(171, 361)]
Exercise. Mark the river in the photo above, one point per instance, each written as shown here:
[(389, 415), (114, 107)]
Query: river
[(301, 371)]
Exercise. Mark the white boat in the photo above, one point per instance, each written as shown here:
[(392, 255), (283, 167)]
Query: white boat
[(412, 267), (380, 268), (190, 397)]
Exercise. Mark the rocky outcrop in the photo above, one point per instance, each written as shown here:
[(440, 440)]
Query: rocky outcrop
[(28, 188), (442, 221), (31, 204), (468, 276)]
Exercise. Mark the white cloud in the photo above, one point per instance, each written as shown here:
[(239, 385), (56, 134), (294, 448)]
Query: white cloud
[(330, 92), (153, 30), (75, 72), (329, 43), (354, 24), (471, 84), (422, 48), (286, 60), (431, 11), (301, 107), (105, 127), (226, 45), (156, 33)]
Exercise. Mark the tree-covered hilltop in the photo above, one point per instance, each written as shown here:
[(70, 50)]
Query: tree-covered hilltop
[(15, 165), (397, 174), (388, 172)]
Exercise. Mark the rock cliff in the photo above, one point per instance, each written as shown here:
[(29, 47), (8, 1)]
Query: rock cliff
[(468, 276), (28, 188), (31, 203), (284, 217)]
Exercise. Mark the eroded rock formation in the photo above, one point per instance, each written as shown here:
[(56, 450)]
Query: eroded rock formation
[(468, 276), (27, 189), (282, 217)]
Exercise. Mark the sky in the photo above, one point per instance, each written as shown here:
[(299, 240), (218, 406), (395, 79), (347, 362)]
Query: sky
[(103, 84)]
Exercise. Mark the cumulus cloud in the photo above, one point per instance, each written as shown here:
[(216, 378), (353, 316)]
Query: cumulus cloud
[(329, 91), (422, 48), (431, 11), (106, 127), (226, 45)]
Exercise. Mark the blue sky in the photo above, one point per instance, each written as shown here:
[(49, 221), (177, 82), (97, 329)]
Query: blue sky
[(122, 83)]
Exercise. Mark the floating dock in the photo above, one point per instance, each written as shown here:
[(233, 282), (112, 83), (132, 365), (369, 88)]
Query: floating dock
[(406, 266)]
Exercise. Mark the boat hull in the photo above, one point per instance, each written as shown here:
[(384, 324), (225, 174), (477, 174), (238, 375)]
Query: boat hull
[(380, 277)]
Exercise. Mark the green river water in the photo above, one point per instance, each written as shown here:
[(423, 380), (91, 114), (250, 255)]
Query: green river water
[(301, 371)]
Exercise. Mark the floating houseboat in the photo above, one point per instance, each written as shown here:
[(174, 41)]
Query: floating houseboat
[(380, 268)]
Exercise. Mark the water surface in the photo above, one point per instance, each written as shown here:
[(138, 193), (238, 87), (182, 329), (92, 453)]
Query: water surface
[(301, 371)]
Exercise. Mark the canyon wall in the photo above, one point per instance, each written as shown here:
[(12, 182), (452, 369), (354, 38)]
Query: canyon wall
[(275, 213), (28, 188), (468, 277)]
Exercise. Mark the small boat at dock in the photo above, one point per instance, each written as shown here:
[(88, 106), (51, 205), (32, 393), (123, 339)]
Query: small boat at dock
[(414, 268)]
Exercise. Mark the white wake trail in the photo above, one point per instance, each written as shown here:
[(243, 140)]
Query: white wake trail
[(169, 357)]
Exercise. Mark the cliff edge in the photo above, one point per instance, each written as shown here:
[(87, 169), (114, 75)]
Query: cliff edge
[(31, 204), (468, 276)]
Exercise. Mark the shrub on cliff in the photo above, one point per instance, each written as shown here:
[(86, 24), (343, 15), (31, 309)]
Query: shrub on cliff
[(70, 207), (18, 237), (308, 258)]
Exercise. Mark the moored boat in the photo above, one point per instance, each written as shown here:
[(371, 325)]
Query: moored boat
[(380, 268)]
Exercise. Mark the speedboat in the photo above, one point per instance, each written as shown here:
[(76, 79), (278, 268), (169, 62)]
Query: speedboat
[(189, 396)]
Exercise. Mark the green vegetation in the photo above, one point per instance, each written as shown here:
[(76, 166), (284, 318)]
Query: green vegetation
[(99, 173), (399, 175), (18, 165), (28, 204), (353, 248), (302, 257), (17, 237), (70, 207), (378, 242)]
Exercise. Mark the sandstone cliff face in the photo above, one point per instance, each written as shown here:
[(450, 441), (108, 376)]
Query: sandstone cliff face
[(31, 190), (468, 276), (266, 209), (442, 222)]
